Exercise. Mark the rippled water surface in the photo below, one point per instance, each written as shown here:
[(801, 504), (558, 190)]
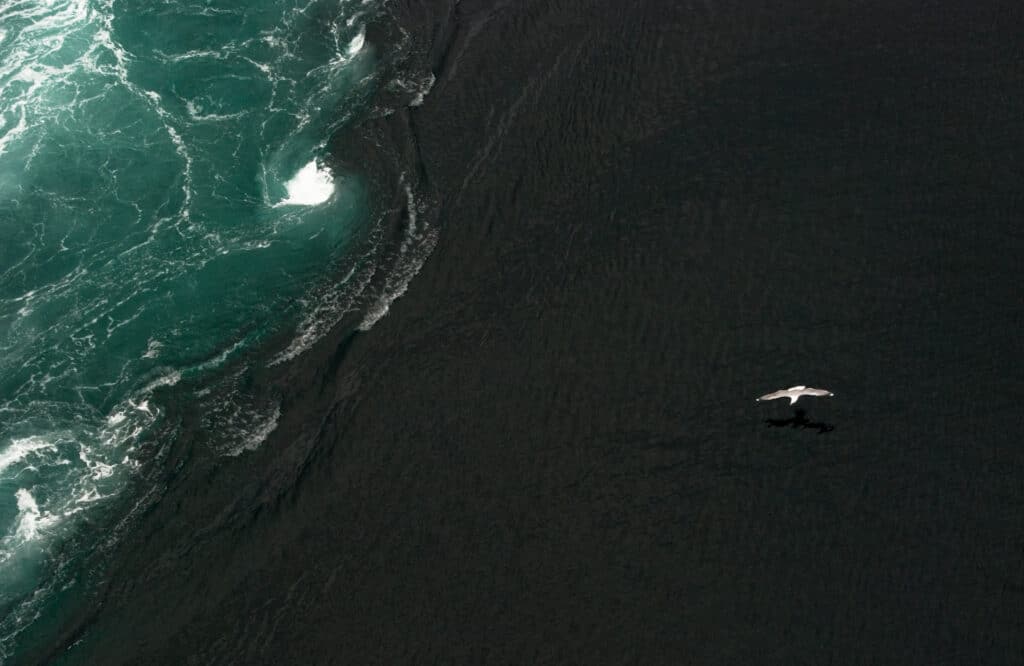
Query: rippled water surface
[(165, 206)]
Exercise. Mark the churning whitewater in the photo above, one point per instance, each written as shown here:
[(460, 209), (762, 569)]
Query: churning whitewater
[(166, 205)]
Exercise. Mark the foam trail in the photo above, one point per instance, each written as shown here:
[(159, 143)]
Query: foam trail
[(415, 248), (258, 434), (329, 310)]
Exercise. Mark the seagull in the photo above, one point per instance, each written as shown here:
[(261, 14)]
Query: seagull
[(794, 393)]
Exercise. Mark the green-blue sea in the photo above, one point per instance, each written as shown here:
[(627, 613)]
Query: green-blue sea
[(167, 205)]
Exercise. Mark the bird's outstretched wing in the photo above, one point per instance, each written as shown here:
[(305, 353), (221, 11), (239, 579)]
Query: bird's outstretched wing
[(774, 395), (814, 391)]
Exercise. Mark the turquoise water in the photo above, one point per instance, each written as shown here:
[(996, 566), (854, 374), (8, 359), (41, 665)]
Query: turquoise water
[(165, 206)]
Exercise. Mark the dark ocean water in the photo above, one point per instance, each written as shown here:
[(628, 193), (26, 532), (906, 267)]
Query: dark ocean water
[(549, 450)]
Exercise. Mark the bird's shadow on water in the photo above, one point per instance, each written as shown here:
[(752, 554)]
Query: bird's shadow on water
[(800, 420)]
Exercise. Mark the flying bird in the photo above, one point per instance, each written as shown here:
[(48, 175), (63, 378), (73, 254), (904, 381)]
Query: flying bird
[(794, 393)]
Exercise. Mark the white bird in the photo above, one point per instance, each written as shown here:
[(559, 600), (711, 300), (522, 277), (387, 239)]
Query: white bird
[(794, 393)]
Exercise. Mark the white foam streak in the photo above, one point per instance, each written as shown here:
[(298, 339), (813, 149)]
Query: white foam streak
[(259, 433), (357, 43), (170, 379), (153, 349), (15, 131), (20, 449), (330, 309), (196, 113), (416, 247)]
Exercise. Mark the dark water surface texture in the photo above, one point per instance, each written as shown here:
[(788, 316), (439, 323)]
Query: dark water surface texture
[(646, 215)]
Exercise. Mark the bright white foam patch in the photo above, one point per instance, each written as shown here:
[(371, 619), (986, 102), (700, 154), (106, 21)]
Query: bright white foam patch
[(30, 521), (311, 186), (356, 45), (21, 448)]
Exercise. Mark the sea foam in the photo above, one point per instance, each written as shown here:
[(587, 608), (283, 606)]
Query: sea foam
[(30, 521), (311, 186), (20, 449)]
